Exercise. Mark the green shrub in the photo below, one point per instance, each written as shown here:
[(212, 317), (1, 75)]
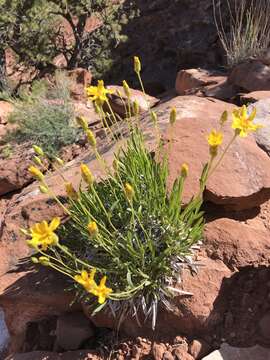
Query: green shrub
[(44, 117), (248, 34), (36, 31)]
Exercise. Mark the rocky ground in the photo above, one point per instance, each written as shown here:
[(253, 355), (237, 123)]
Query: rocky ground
[(229, 309)]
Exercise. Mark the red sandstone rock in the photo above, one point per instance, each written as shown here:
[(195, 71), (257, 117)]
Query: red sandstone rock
[(237, 244), (191, 80), (244, 166), (255, 96), (80, 79), (251, 76), (144, 101), (5, 109)]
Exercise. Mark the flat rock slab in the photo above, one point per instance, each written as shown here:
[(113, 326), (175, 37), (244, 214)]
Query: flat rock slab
[(227, 352)]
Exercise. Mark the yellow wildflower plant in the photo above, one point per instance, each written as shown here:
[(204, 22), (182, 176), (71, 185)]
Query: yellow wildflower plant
[(43, 234), (243, 123), (102, 291), (36, 172), (87, 175), (98, 94)]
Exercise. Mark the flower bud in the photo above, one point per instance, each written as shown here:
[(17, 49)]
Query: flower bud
[(136, 108), (129, 191), (87, 175), (137, 65), (71, 192), (43, 189), (34, 260), (38, 150), (43, 260), (223, 118), (36, 173), (154, 117), (93, 228), (91, 138), (184, 170), (126, 89), (37, 160), (173, 116), (82, 122), (59, 161)]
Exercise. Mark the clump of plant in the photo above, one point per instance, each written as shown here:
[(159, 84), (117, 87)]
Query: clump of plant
[(248, 31), (128, 236), (44, 116)]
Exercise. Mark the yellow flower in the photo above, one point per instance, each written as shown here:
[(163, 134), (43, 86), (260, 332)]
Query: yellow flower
[(184, 170), (129, 191), (102, 291), (98, 93), (93, 228), (214, 139), (71, 192), (243, 123), (36, 173), (91, 138), (173, 116), (137, 65), (43, 234), (87, 280), (87, 175)]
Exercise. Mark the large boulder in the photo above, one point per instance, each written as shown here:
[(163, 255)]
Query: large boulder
[(245, 165), (237, 244), (192, 80), (251, 76)]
